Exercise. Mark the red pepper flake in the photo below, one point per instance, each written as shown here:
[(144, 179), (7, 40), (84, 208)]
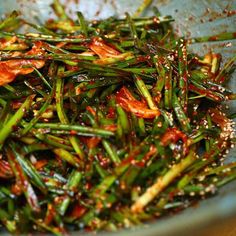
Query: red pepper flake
[(112, 127), (172, 194), (111, 113), (73, 132), (91, 110), (88, 186), (213, 38), (40, 164), (72, 68), (93, 142), (51, 212), (16, 189), (78, 211)]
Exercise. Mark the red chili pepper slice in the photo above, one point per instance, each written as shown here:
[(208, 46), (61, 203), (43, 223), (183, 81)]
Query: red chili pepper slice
[(102, 49), (11, 68), (126, 100)]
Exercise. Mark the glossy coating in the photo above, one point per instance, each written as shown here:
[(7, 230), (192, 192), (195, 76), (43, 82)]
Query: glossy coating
[(193, 18)]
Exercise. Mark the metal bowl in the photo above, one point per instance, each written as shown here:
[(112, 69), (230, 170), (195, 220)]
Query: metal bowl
[(195, 18)]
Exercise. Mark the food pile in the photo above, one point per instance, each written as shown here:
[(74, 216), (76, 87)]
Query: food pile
[(108, 124)]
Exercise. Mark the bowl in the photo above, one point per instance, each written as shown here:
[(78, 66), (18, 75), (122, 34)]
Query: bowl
[(192, 18)]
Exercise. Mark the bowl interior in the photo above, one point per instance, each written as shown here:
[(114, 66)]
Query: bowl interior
[(192, 19)]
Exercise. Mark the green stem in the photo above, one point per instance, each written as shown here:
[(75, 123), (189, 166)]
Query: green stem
[(162, 182), (14, 120)]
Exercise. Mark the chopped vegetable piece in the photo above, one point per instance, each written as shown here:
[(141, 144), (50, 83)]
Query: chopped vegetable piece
[(107, 124)]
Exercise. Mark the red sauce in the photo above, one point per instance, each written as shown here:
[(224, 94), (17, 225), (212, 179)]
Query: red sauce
[(73, 132), (51, 212), (130, 158), (78, 211), (93, 142), (147, 156), (111, 113), (213, 38)]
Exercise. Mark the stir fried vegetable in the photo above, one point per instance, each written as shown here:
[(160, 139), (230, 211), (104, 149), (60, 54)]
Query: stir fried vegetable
[(108, 124)]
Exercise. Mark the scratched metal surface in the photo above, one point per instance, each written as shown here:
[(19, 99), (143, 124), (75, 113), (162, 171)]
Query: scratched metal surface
[(193, 18)]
